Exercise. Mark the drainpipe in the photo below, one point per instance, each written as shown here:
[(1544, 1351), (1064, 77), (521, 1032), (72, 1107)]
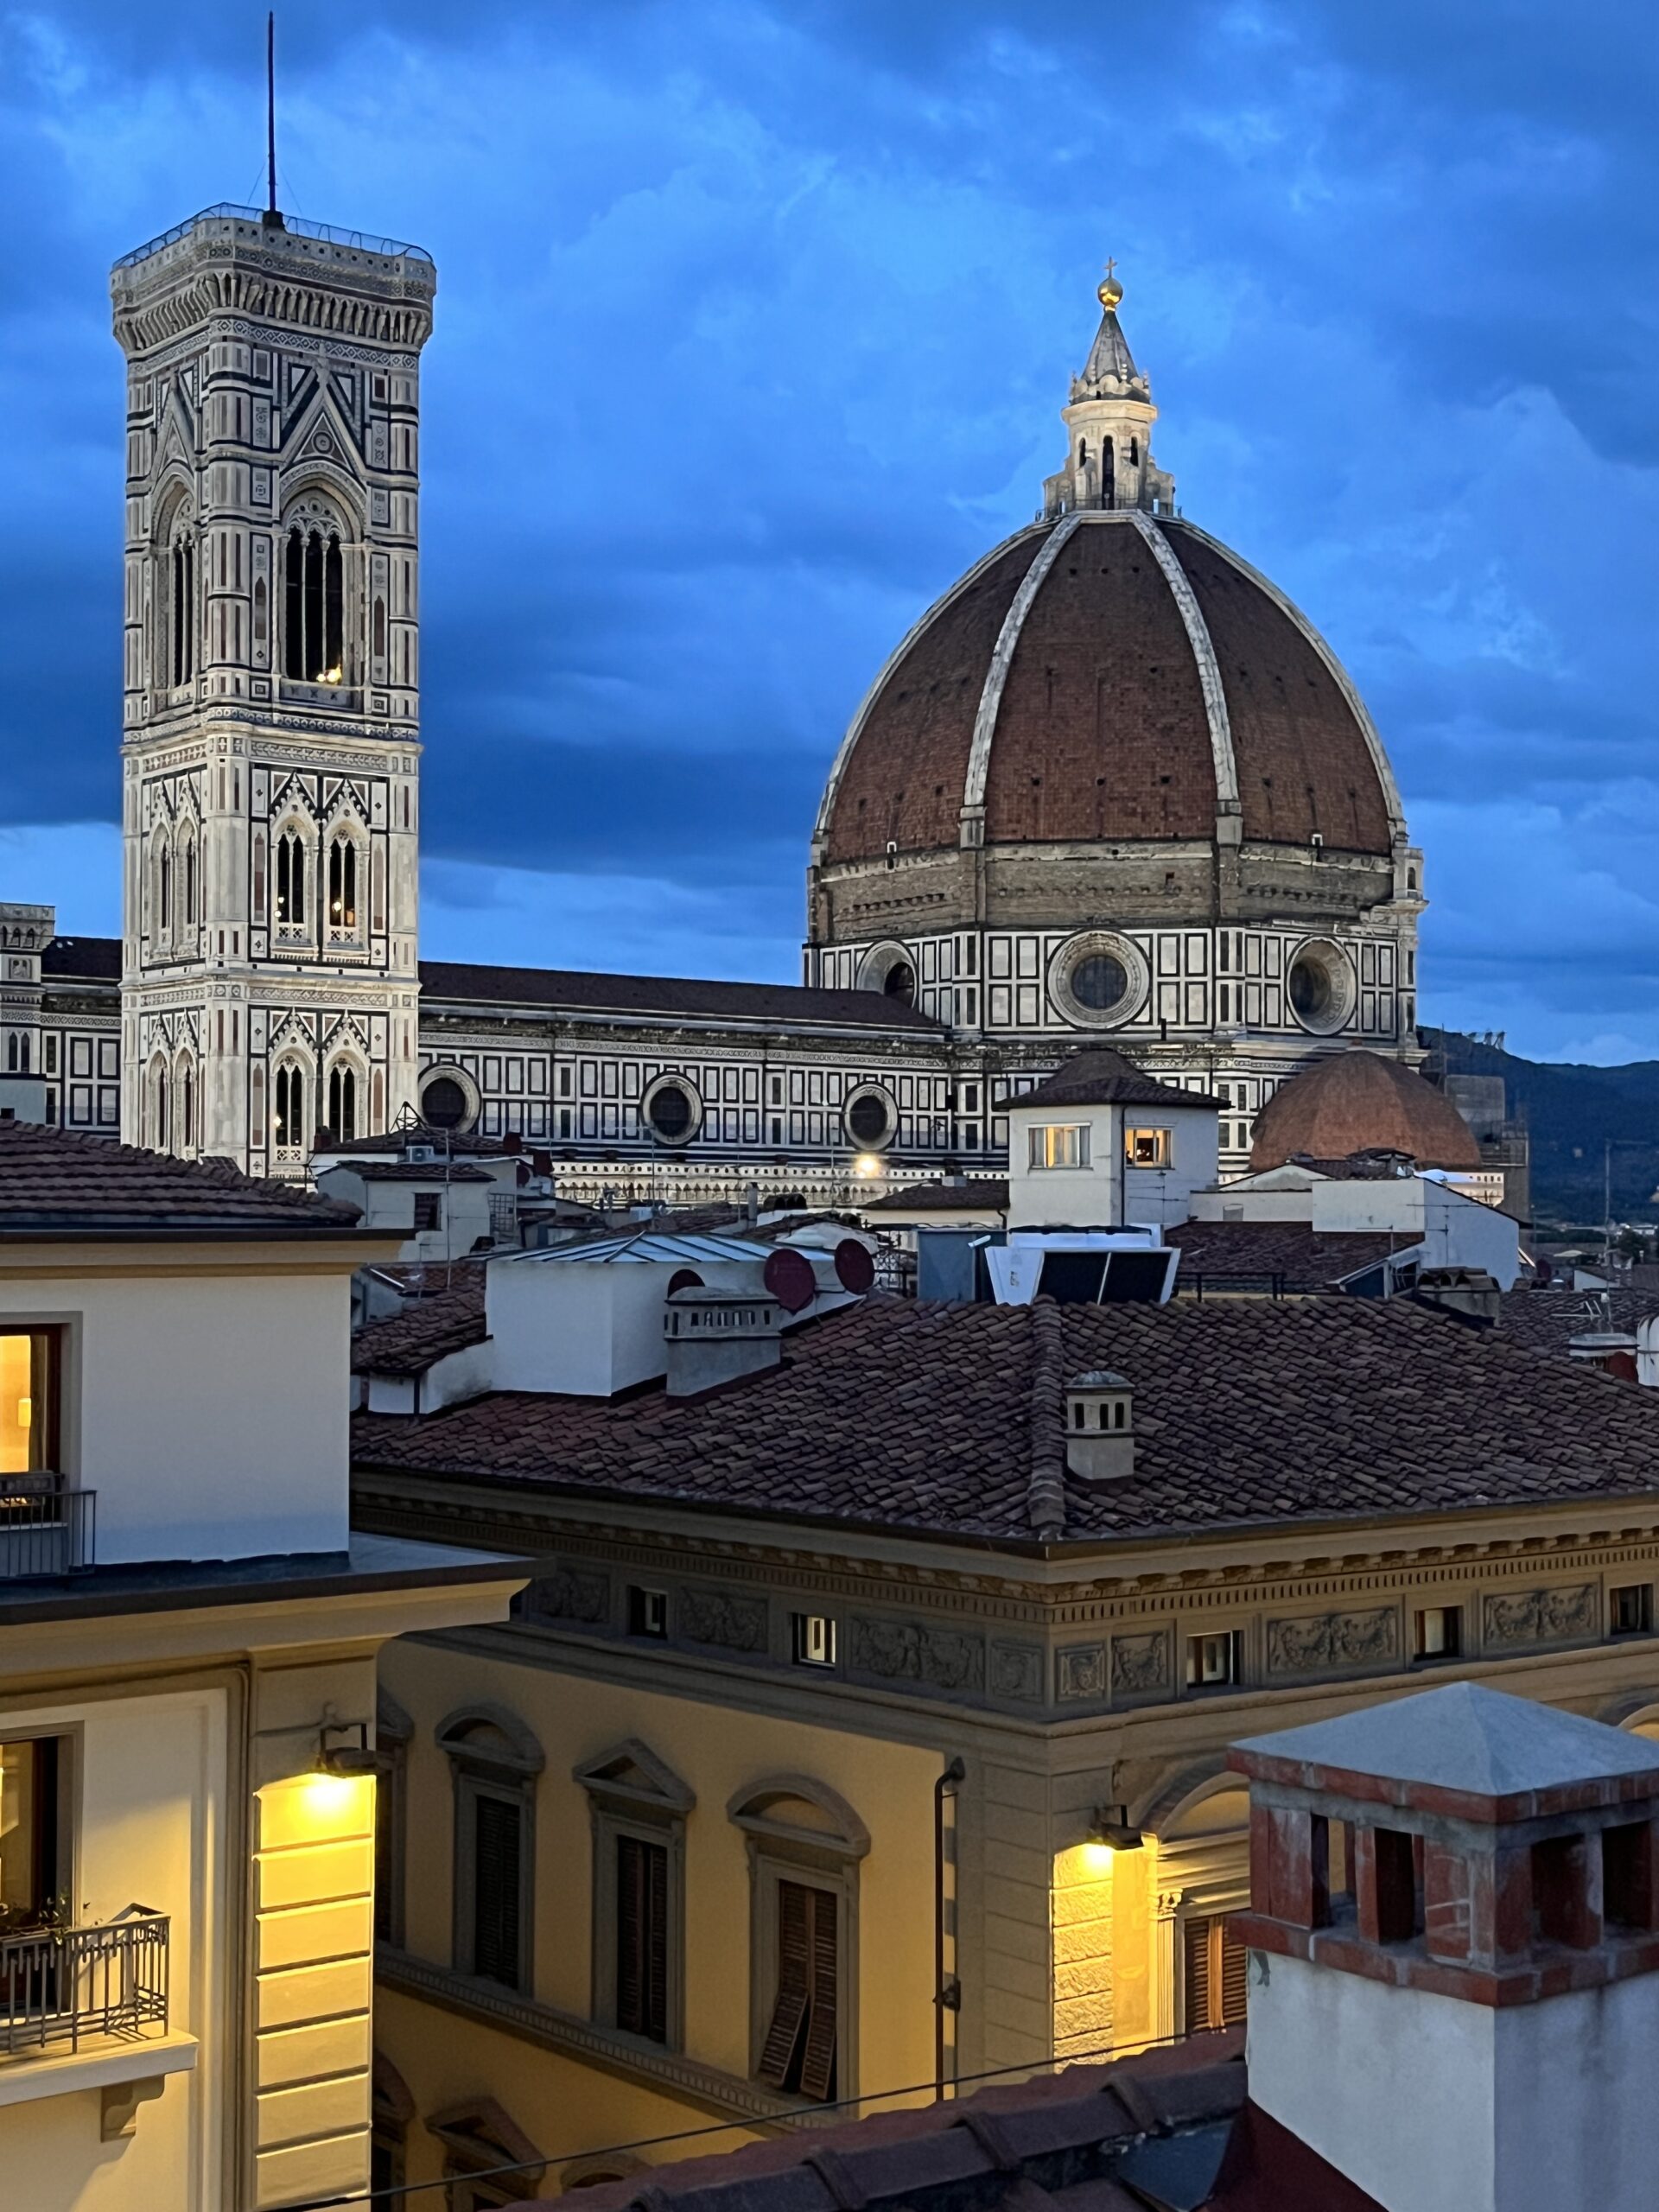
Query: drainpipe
[(947, 1988)]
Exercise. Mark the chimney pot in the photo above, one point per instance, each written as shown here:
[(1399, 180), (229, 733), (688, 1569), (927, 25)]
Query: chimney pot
[(1100, 1426)]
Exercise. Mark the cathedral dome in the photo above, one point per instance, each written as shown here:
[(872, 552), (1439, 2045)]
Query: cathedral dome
[(1110, 676), (1361, 1102)]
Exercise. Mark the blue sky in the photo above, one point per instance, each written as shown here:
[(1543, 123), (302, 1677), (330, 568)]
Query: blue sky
[(753, 324)]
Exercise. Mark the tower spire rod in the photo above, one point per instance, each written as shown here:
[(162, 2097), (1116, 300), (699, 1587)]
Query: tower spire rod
[(270, 115)]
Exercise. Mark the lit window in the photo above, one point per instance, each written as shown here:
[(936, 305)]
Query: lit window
[(342, 884), (1060, 1145), (1215, 1662), (314, 605), (647, 1611), (31, 1844), (290, 1094), (1631, 1609), (1439, 1632), (1147, 1148), (290, 877), (28, 1401), (812, 1640)]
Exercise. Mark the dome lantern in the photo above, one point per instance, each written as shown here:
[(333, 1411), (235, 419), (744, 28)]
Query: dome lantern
[(1108, 427)]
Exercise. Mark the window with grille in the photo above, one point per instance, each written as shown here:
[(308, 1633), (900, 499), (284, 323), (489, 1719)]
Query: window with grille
[(1215, 1971), (642, 1937), (497, 1868), (799, 2051)]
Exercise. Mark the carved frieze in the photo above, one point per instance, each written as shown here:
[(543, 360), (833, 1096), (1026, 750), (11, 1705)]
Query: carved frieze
[(570, 1594), (1017, 1671), (910, 1651), (1329, 1641), (1542, 1616), (1140, 1664), (725, 1618), (1081, 1672)]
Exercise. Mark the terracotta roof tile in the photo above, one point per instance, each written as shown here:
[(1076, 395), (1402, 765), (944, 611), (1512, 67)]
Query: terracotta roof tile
[(58, 1181), (1099, 1075), (1249, 1412), (426, 1330), (1303, 1258), (1356, 1100), (975, 1193)]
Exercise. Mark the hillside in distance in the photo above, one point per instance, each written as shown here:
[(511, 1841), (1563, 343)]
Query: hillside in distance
[(1572, 1112)]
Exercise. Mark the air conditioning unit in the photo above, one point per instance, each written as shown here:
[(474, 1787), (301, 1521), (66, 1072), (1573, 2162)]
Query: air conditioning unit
[(422, 1151)]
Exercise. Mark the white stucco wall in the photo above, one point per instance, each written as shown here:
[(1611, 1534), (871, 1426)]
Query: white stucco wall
[(209, 1410), (1108, 1192), (1432, 2105)]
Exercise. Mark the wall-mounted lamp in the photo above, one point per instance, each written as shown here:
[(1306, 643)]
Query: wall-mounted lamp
[(1114, 1834), (351, 1757)]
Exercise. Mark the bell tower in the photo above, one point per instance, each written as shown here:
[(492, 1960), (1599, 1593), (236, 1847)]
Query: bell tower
[(270, 744)]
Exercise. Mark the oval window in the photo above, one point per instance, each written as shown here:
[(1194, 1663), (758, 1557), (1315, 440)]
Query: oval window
[(670, 1113), (443, 1104), (869, 1121), (1099, 981), (1309, 987)]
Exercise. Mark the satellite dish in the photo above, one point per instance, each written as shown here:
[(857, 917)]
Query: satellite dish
[(788, 1275), (853, 1265)]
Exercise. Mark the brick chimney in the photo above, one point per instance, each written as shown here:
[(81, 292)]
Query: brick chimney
[(1454, 1930)]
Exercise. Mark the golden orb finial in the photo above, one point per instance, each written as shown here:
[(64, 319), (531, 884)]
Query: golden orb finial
[(1109, 292)]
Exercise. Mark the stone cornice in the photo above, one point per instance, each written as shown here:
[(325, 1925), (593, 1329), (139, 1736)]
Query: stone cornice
[(669, 2074)]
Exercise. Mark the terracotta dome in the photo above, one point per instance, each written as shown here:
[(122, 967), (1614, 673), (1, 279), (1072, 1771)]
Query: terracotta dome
[(1357, 1101), (1110, 677)]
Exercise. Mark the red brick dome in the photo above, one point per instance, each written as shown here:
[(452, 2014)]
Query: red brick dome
[(1358, 1101), (1110, 677)]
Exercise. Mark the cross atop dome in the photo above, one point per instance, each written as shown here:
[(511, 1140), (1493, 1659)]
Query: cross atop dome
[(1109, 420)]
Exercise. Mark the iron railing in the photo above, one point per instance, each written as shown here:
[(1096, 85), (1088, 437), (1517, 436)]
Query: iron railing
[(327, 231), (66, 1985), (1265, 1283), (44, 1529)]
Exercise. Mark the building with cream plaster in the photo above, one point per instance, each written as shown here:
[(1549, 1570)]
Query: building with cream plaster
[(188, 1633)]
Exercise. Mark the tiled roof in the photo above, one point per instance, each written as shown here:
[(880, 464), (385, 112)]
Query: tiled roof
[(55, 1182), (91, 959), (414, 1171), (1306, 1259), (949, 1418), (673, 996), (1093, 2138), (426, 1330), (1359, 1101), (1097, 1076), (1547, 1319), (979, 1193)]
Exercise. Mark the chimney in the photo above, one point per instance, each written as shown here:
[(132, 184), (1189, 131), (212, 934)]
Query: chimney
[(1100, 1426), (513, 1142), (719, 1336), (1454, 1940)]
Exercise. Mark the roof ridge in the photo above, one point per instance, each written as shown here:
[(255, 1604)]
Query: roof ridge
[(1046, 1490)]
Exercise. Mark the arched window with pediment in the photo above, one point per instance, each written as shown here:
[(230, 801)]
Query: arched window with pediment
[(314, 596)]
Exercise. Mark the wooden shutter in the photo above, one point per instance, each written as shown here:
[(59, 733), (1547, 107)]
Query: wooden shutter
[(1235, 1978), (642, 1937), (1195, 1935), (818, 2059), (1215, 1972), (498, 1841), (789, 2012)]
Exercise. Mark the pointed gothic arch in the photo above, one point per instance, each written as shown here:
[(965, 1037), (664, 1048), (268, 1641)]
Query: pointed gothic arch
[(157, 1106), (346, 1098), (185, 1103), (290, 1129), (317, 540), (294, 845)]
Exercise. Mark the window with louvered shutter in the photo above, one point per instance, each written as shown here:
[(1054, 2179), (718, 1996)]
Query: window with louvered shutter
[(642, 1937), (800, 2047), (496, 1865), (1215, 1971)]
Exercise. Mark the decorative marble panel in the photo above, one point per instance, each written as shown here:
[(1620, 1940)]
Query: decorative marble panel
[(1542, 1616), (1081, 1672), (1329, 1641), (943, 1658), (1017, 1671), (1140, 1664), (727, 1618)]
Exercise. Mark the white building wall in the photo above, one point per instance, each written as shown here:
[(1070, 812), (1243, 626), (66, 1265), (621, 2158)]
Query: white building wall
[(1108, 1192)]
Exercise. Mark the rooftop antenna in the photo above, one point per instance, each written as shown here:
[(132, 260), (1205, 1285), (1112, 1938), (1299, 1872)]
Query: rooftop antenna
[(271, 218)]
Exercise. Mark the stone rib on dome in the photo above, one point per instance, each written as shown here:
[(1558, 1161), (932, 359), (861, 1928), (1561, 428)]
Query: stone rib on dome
[(1109, 678), (1357, 1101)]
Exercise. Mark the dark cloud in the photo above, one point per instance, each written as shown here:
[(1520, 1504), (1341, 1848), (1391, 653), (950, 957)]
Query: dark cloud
[(753, 324)]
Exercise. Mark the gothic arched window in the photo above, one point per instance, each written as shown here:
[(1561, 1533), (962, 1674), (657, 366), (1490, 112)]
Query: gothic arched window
[(342, 1101), (159, 1103), (314, 605), (290, 877), (187, 1108), (164, 888), (289, 1101), (182, 600), (189, 872), (1108, 472), (11, 1055), (1134, 453), (342, 882)]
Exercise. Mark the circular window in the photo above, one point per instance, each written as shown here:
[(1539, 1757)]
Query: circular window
[(871, 1117), (671, 1111), (1320, 987), (447, 1102), (1098, 980), (890, 969)]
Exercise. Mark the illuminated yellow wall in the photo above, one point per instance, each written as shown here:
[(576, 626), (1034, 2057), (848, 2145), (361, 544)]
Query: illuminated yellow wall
[(14, 1405)]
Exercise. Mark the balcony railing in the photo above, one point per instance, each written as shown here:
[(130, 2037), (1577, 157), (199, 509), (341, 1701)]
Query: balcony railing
[(67, 1985), (44, 1529)]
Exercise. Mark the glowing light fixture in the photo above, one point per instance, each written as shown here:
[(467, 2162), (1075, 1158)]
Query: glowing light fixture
[(345, 1760), (1114, 1834), (868, 1163)]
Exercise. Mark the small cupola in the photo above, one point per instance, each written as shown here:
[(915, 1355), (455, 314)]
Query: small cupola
[(1099, 1426)]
